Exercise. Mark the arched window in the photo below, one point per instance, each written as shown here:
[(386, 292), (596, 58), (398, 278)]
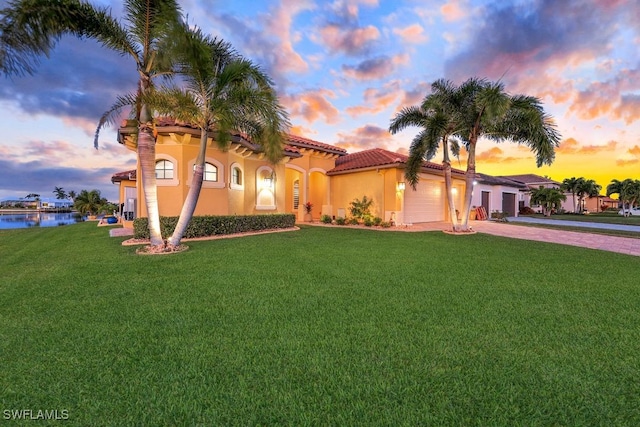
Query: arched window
[(296, 194), (210, 173), (236, 176), (164, 169)]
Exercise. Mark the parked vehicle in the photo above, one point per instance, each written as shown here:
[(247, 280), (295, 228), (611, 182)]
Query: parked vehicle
[(632, 211)]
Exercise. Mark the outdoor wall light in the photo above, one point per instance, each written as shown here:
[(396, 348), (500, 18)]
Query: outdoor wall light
[(267, 182), (400, 186)]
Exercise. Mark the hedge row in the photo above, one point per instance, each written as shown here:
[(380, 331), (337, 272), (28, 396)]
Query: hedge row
[(209, 225)]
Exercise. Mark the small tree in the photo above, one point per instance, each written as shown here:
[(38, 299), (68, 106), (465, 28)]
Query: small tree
[(548, 198), (90, 202), (60, 193), (361, 209)]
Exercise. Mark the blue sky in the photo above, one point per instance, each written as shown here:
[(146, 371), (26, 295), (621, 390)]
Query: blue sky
[(344, 68)]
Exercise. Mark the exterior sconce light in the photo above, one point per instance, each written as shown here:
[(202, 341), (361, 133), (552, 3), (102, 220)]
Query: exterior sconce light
[(400, 186), (267, 182)]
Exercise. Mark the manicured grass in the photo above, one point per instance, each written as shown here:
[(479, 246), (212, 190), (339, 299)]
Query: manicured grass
[(608, 218), (323, 326)]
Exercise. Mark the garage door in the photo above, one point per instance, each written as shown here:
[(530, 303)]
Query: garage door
[(425, 204)]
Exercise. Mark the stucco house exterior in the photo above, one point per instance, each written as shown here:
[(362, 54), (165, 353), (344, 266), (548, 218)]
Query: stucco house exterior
[(241, 180), (497, 193)]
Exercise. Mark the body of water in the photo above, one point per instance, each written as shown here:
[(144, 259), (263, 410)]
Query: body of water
[(37, 219)]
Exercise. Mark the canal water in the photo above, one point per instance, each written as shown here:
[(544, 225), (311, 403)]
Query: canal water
[(37, 219)]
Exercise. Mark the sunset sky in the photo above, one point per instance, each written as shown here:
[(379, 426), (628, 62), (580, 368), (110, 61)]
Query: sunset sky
[(344, 68)]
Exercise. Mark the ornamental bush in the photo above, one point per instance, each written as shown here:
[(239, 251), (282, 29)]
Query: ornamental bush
[(210, 225)]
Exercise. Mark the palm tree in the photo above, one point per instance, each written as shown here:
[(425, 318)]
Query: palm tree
[(89, 202), (490, 112), (222, 93), (60, 193), (72, 195), (437, 116), (571, 185), (548, 198), (587, 188), (31, 28), (628, 192)]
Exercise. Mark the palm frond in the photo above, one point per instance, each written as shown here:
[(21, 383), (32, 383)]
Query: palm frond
[(114, 112)]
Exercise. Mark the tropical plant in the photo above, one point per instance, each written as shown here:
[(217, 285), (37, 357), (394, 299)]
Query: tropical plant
[(628, 192), (587, 188), (222, 93), (438, 118), (548, 198), (72, 195), (308, 207), (60, 193), (90, 202), (325, 219), (484, 109), (360, 209), (571, 185), (31, 28)]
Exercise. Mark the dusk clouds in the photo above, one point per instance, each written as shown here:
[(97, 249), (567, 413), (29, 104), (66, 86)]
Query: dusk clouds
[(343, 68)]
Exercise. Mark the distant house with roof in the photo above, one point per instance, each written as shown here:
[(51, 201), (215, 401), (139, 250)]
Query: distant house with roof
[(498, 193)]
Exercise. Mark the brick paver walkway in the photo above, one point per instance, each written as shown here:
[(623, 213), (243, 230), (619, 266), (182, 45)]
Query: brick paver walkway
[(624, 245)]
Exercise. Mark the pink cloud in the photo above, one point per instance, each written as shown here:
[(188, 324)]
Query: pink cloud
[(365, 137), (622, 162), (494, 155), (376, 100), (412, 34), (453, 10), (375, 68), (572, 146), (312, 105), (347, 40), (278, 24)]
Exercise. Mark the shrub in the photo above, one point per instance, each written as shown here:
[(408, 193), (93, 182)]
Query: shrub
[(353, 221), (377, 221), (341, 221), (202, 226), (361, 209), (526, 210), (385, 224), (368, 221), (326, 219)]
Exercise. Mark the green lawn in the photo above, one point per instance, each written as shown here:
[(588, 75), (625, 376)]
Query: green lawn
[(608, 217), (323, 326)]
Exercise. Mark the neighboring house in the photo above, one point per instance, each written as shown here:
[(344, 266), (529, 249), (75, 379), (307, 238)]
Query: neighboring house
[(42, 203), (241, 181), (531, 181), (497, 193)]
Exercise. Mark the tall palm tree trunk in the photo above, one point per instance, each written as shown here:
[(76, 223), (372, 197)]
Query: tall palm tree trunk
[(470, 176), (147, 156), (448, 186), (189, 205)]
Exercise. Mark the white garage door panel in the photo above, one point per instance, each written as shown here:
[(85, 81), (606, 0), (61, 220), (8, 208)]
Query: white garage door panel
[(425, 203)]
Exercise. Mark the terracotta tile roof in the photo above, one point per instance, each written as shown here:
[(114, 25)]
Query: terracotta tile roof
[(124, 176), (378, 157), (292, 147), (301, 142)]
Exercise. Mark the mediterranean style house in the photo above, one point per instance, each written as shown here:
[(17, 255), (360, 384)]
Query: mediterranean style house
[(242, 181)]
